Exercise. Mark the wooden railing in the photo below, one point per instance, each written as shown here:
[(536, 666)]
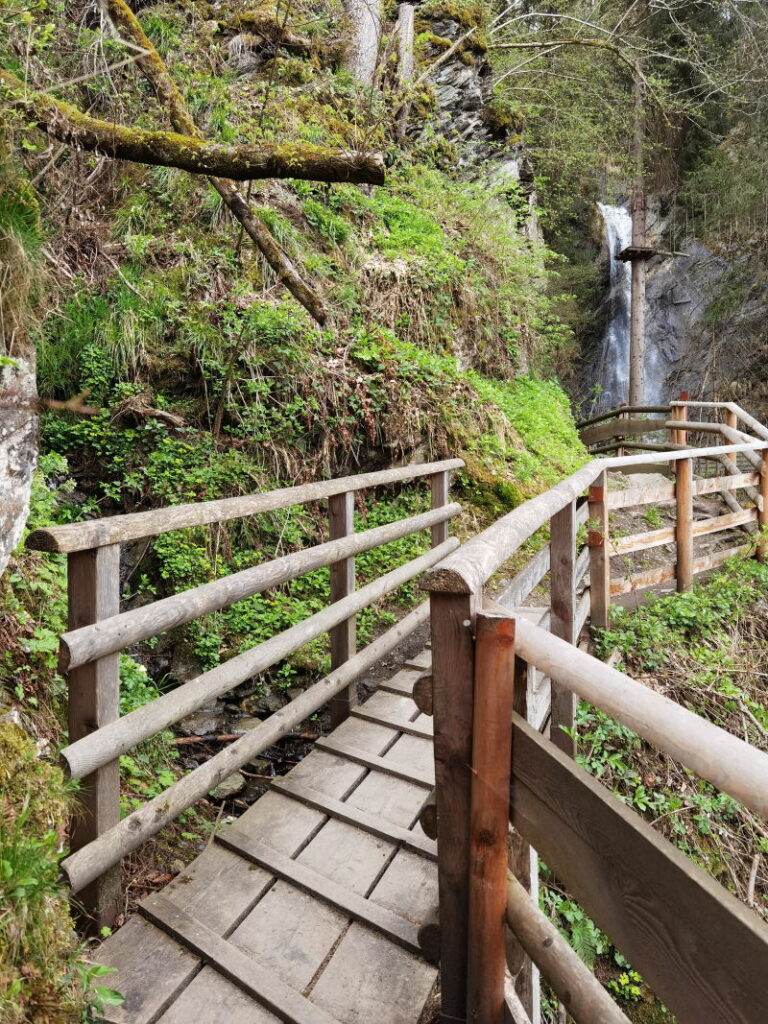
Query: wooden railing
[(99, 631), (701, 950)]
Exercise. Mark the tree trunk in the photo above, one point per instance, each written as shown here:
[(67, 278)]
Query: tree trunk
[(637, 304), (365, 21)]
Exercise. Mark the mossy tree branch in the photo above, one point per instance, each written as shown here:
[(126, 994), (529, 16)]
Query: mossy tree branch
[(238, 162)]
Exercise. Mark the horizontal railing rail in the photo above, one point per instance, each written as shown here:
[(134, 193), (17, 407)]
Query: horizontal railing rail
[(96, 533), (467, 570), (120, 631)]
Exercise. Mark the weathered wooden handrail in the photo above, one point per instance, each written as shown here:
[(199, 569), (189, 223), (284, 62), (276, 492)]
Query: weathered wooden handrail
[(625, 410), (120, 631), (466, 571), (101, 747), (730, 764), (96, 533)]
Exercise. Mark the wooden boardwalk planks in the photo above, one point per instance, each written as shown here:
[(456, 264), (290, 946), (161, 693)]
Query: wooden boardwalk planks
[(308, 906)]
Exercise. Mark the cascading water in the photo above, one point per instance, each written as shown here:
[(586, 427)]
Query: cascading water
[(613, 369)]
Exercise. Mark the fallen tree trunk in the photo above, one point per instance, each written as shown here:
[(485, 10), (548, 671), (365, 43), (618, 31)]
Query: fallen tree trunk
[(238, 162)]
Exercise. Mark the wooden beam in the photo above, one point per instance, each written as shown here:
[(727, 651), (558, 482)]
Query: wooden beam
[(343, 811), (642, 580), (642, 541), (489, 822), (102, 746), (731, 421), (658, 907), (563, 618), (262, 983), (341, 521), (374, 761), (422, 694), (621, 428), (395, 927), (117, 632), (645, 494), (713, 484), (575, 985), (729, 763), (683, 529), (524, 864), (599, 562), (409, 728), (93, 583), (438, 485), (428, 816), (762, 520), (521, 585), (453, 660), (89, 862)]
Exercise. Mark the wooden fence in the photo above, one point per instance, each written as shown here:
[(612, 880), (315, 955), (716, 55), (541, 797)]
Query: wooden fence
[(98, 631), (701, 950), (502, 790)]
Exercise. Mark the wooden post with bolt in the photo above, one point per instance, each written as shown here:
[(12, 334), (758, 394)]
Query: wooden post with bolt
[(489, 821), (93, 581), (599, 558), (341, 519)]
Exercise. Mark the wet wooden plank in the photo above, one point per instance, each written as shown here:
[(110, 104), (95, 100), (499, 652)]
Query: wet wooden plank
[(401, 683), (415, 754), (229, 961), (152, 970), (393, 800), (382, 764), (408, 887), (395, 710), (337, 895), (211, 999), (421, 660), (412, 728), (353, 815), (391, 989), (291, 933)]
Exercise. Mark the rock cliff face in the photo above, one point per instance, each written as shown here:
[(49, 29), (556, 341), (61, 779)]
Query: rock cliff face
[(705, 317), (18, 450)]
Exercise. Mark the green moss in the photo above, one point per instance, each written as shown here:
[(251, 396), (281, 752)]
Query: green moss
[(468, 13), (38, 949)]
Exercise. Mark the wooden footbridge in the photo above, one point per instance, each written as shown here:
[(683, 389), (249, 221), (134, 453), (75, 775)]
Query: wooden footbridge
[(405, 843)]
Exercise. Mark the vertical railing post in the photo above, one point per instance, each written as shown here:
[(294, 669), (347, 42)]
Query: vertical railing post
[(341, 519), (489, 820), (524, 865), (732, 421), (453, 662), (762, 512), (680, 412), (599, 557), (684, 527), (563, 618), (93, 583), (623, 415), (438, 483)]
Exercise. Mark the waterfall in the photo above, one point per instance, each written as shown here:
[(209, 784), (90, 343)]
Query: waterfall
[(613, 369)]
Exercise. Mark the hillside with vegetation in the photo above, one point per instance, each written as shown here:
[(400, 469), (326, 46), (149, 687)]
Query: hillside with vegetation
[(415, 276)]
